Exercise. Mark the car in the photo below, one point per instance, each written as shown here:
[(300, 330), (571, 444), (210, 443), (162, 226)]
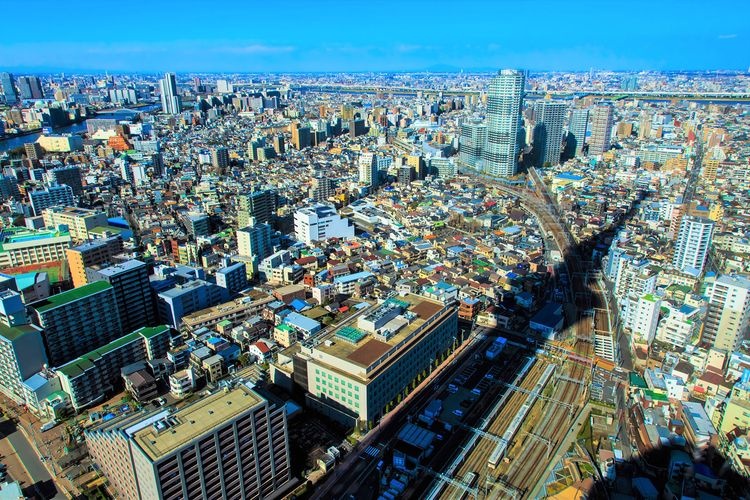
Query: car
[(3, 467), (458, 413)]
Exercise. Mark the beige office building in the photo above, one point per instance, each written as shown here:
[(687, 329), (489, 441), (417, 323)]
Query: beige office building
[(232, 444)]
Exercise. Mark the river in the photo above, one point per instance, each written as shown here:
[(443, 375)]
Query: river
[(76, 128)]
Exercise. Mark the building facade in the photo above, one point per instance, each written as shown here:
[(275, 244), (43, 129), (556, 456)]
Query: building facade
[(504, 104), (231, 444), (320, 222), (693, 243)]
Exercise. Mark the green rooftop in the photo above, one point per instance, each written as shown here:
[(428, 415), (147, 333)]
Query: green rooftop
[(351, 334), (15, 234), (70, 296), (637, 381), (78, 366), (11, 333), (649, 297)]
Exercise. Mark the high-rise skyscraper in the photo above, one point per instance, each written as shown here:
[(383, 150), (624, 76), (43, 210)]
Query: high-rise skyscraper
[(579, 124), (504, 103), (30, 87), (9, 88), (170, 100), (471, 143), (254, 242), (728, 315), (548, 132), (601, 129), (693, 243)]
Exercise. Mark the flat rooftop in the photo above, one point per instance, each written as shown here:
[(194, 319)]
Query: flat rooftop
[(71, 295), (194, 420), (355, 345)]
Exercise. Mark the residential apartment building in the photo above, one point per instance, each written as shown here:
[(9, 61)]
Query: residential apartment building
[(77, 321), (188, 298), (231, 444), (91, 254), (728, 317), (91, 377), (135, 300), (60, 195), (21, 347), (693, 243)]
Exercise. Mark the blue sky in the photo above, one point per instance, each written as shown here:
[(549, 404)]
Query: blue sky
[(324, 35)]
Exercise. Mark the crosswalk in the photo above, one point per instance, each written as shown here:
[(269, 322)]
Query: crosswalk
[(372, 451)]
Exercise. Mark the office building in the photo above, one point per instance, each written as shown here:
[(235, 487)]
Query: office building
[(20, 246), (21, 347), (504, 104), (254, 242), (300, 136), (577, 128), (232, 444), (368, 170), (693, 243), (443, 168), (77, 321), (69, 175), (79, 221), (188, 298), (320, 222), (601, 129), (133, 295), (259, 205), (548, 132), (50, 197), (8, 86), (171, 102), (233, 277), (95, 375), (728, 317), (90, 254), (30, 87), (471, 144), (278, 144), (220, 159), (359, 370)]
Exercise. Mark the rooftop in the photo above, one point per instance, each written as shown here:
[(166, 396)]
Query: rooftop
[(71, 295), (121, 267), (17, 235), (193, 421), (352, 344)]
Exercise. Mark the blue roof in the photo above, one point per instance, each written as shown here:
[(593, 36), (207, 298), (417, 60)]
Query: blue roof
[(352, 277), (512, 230), (568, 176), (686, 309), (302, 322), (232, 351), (25, 280), (299, 304)]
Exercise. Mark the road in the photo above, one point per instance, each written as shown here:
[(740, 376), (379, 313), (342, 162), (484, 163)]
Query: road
[(40, 476)]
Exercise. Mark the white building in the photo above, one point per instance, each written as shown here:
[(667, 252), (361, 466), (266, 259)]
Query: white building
[(643, 317), (368, 169), (728, 318), (504, 104), (693, 243), (320, 222), (678, 325)]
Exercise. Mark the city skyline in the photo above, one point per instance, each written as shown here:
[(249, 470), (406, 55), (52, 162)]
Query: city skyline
[(542, 36)]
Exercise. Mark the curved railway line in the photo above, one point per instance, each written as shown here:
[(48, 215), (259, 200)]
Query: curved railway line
[(549, 420)]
